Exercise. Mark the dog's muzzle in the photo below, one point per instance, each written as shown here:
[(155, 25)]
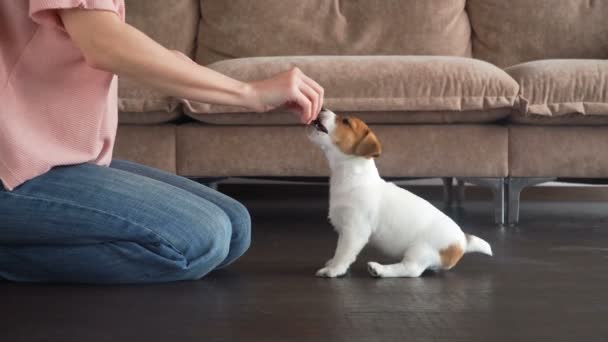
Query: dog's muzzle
[(319, 126)]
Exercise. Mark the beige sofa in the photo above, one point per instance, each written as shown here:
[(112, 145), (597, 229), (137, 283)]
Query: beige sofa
[(499, 93)]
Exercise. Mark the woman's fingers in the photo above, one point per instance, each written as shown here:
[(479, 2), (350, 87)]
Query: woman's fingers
[(311, 89), (313, 96), (306, 107), (318, 89), (292, 89)]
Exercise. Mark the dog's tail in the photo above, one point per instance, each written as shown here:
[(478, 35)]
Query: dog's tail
[(475, 244)]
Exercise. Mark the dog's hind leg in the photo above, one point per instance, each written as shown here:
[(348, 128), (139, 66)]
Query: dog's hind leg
[(416, 261), (400, 269)]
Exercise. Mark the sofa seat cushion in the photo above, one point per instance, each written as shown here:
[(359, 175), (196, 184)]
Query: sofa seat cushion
[(562, 120), (174, 24), (148, 118), (149, 145), (558, 87), (570, 152), (136, 98), (398, 84), (407, 151), (246, 28)]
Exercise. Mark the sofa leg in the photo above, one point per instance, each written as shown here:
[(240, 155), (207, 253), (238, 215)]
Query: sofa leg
[(497, 185), (448, 192), (460, 193), (514, 187)]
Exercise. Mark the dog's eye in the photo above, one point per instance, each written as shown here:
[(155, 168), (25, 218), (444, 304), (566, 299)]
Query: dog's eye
[(346, 121)]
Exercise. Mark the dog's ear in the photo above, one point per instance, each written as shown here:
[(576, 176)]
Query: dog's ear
[(368, 146)]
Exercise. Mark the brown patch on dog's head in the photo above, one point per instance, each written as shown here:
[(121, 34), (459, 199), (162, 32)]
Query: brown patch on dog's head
[(450, 256), (352, 136)]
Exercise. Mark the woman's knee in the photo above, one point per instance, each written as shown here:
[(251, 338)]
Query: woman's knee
[(241, 233), (194, 244), (231, 240), (215, 242), (209, 245), (203, 233), (241, 226)]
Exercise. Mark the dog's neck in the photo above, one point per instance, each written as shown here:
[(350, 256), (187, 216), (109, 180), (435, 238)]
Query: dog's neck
[(351, 172)]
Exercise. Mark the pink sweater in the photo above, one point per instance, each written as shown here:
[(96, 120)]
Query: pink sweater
[(54, 108)]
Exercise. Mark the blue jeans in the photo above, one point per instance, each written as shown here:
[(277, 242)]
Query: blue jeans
[(126, 223)]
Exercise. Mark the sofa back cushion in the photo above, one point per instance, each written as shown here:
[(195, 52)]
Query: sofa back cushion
[(509, 32), (246, 28)]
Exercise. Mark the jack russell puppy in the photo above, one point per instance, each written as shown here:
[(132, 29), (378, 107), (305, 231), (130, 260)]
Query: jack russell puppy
[(366, 209)]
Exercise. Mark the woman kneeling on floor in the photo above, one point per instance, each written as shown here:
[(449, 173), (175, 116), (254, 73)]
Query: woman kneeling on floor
[(68, 212)]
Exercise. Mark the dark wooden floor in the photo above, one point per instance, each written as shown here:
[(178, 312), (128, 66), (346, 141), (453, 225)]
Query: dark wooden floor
[(548, 281)]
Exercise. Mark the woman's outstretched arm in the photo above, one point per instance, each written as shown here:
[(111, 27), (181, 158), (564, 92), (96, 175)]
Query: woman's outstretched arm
[(109, 44)]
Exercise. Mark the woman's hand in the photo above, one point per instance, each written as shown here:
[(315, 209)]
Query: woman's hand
[(291, 89)]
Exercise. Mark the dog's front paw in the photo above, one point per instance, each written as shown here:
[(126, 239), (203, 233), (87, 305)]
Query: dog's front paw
[(331, 272), (329, 263), (375, 269)]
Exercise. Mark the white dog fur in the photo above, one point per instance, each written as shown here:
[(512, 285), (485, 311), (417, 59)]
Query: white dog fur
[(366, 209)]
